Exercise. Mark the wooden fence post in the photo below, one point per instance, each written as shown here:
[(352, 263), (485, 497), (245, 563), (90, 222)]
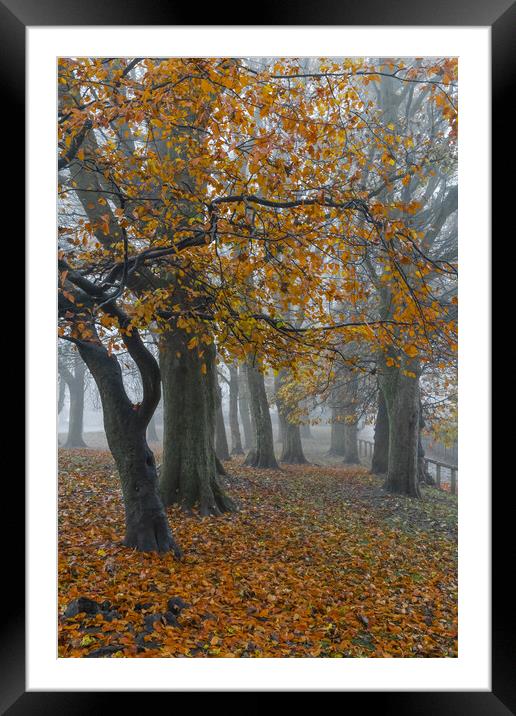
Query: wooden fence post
[(453, 481)]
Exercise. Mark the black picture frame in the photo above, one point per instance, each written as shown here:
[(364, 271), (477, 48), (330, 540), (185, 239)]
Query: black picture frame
[(15, 17)]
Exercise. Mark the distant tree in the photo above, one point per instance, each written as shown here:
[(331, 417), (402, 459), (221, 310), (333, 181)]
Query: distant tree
[(72, 372)]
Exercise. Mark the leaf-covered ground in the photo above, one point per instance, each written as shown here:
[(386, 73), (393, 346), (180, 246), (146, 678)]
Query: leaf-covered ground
[(318, 562)]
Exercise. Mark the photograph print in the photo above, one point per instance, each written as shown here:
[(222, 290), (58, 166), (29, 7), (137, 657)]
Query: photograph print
[(257, 357)]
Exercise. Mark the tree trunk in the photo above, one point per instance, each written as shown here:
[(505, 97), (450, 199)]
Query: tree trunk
[(337, 442), (146, 526), (243, 406), (292, 452), (262, 453), (380, 460), (189, 471), (221, 441), (281, 427), (146, 522), (61, 395), (349, 408), (423, 474), (401, 393), (351, 444), (76, 415), (236, 441)]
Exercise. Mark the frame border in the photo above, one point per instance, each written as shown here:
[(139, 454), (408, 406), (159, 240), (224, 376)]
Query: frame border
[(500, 15)]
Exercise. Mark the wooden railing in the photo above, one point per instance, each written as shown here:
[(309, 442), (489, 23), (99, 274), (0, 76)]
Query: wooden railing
[(366, 447), (452, 469)]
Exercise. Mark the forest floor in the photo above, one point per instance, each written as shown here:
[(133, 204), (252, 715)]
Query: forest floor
[(318, 562)]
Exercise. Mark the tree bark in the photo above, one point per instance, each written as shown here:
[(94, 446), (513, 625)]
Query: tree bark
[(292, 448), (292, 452), (380, 460), (75, 382), (243, 406), (337, 441), (350, 398), (262, 453), (61, 395), (125, 424), (189, 475), (351, 443), (236, 440), (221, 440), (401, 393), (423, 474), (281, 427)]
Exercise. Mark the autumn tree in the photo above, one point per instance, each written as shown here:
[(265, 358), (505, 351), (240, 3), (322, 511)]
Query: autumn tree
[(72, 371), (289, 419), (208, 198), (432, 190)]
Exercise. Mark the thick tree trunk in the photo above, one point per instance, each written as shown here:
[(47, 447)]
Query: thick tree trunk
[(262, 453), (349, 410), (351, 444), (380, 460), (337, 440), (76, 415), (221, 440), (146, 522), (189, 475), (236, 440), (243, 406), (292, 452), (401, 393), (125, 426)]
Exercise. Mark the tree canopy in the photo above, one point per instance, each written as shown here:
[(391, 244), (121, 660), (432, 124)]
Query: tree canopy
[(282, 206)]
